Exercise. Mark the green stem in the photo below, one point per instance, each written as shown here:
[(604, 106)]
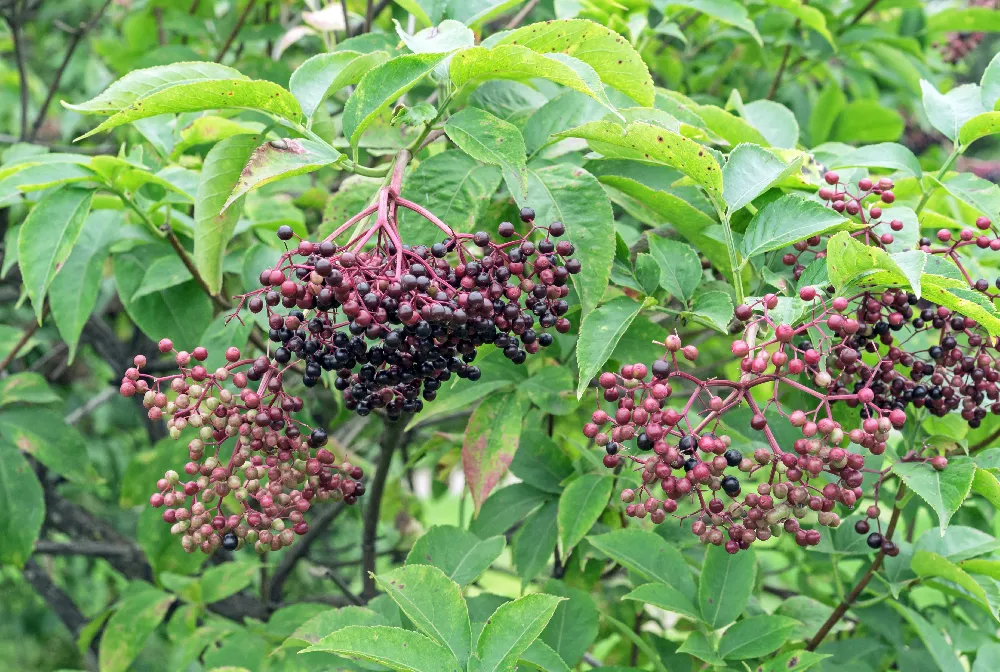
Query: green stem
[(940, 175), (357, 169), (137, 210), (734, 260)]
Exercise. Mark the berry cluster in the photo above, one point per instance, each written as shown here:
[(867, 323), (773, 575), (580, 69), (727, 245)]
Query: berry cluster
[(866, 352), (275, 468), (959, 45), (390, 321)]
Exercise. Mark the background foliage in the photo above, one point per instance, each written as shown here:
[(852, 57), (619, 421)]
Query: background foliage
[(125, 237)]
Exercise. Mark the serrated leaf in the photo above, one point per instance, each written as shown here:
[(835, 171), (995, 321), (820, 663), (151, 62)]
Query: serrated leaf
[(680, 268), (130, 626), (395, 648), (208, 94), (493, 141), (461, 555), (510, 61), (979, 194), (281, 159), (381, 86), (580, 505), (510, 631), (23, 503), (944, 491), (433, 603), (714, 308), (648, 555), (600, 332), (788, 220), (755, 637), (726, 585), (47, 237), (491, 439), (323, 75), (613, 58), (750, 171)]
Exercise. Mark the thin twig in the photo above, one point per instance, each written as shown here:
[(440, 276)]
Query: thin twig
[(338, 580), (75, 38), (347, 23), (521, 15), (781, 69), (88, 408), (29, 331), (985, 443), (863, 582), (22, 70), (301, 548), (392, 438), (864, 10), (369, 15), (236, 29)]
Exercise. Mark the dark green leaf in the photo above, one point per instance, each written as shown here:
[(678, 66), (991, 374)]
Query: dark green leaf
[(493, 141), (510, 631), (944, 490), (786, 221), (680, 268), (535, 541), (665, 597), (580, 505), (574, 625), (26, 388), (750, 171), (600, 332), (323, 75), (725, 586), (461, 555), (648, 555), (279, 160), (505, 507), (43, 434), (937, 646), (23, 504), (755, 637), (130, 626)]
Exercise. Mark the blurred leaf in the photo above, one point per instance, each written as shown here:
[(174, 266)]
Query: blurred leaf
[(23, 504), (130, 626)]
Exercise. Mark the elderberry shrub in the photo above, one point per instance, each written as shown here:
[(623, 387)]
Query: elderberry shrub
[(877, 352), (391, 321)]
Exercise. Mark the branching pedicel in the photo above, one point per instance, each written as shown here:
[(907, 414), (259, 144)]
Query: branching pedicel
[(393, 322), (682, 456)]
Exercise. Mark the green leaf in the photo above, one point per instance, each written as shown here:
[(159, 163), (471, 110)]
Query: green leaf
[(221, 581), (986, 484), (987, 657), (699, 646), (511, 61), (331, 620), (647, 272), (43, 434), (139, 83), (510, 631), (461, 555), (551, 389), (23, 504), (731, 128), (543, 657), (937, 646), (210, 129), (680, 268), (964, 20), (665, 597), (979, 126), (180, 313), (574, 625), (646, 142), (135, 619), (46, 239), (990, 84), (648, 555), (788, 220), (445, 37), (750, 171), (568, 109), (207, 94), (580, 505), (535, 542), (775, 121), (944, 491), (26, 388), (957, 543), (882, 155), (434, 603), (491, 439), (568, 194), (979, 194), (600, 332), (380, 87), (540, 462), (505, 507), (932, 565), (795, 661), (214, 223), (755, 637), (865, 121), (726, 11), (281, 159), (493, 141), (613, 58), (452, 185), (713, 308), (74, 289), (824, 113), (726, 585), (809, 16), (948, 112), (162, 549), (321, 76), (395, 648)]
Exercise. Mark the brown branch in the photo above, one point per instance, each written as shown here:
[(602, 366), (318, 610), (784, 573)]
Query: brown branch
[(189, 264), (521, 15), (75, 38), (347, 23), (781, 69), (863, 582), (300, 548), (861, 14), (369, 16), (22, 70), (29, 331), (393, 437), (985, 443), (236, 29)]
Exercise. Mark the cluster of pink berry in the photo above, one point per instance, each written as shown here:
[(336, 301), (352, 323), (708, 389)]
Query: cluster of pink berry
[(247, 445)]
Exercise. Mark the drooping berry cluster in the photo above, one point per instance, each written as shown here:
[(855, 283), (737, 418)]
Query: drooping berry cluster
[(866, 352), (959, 45), (390, 321), (393, 321), (248, 445)]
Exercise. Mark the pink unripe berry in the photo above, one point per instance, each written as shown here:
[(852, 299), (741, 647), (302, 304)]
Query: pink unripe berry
[(939, 462), (807, 293), (165, 345), (831, 177), (983, 223), (690, 352), (740, 348)]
